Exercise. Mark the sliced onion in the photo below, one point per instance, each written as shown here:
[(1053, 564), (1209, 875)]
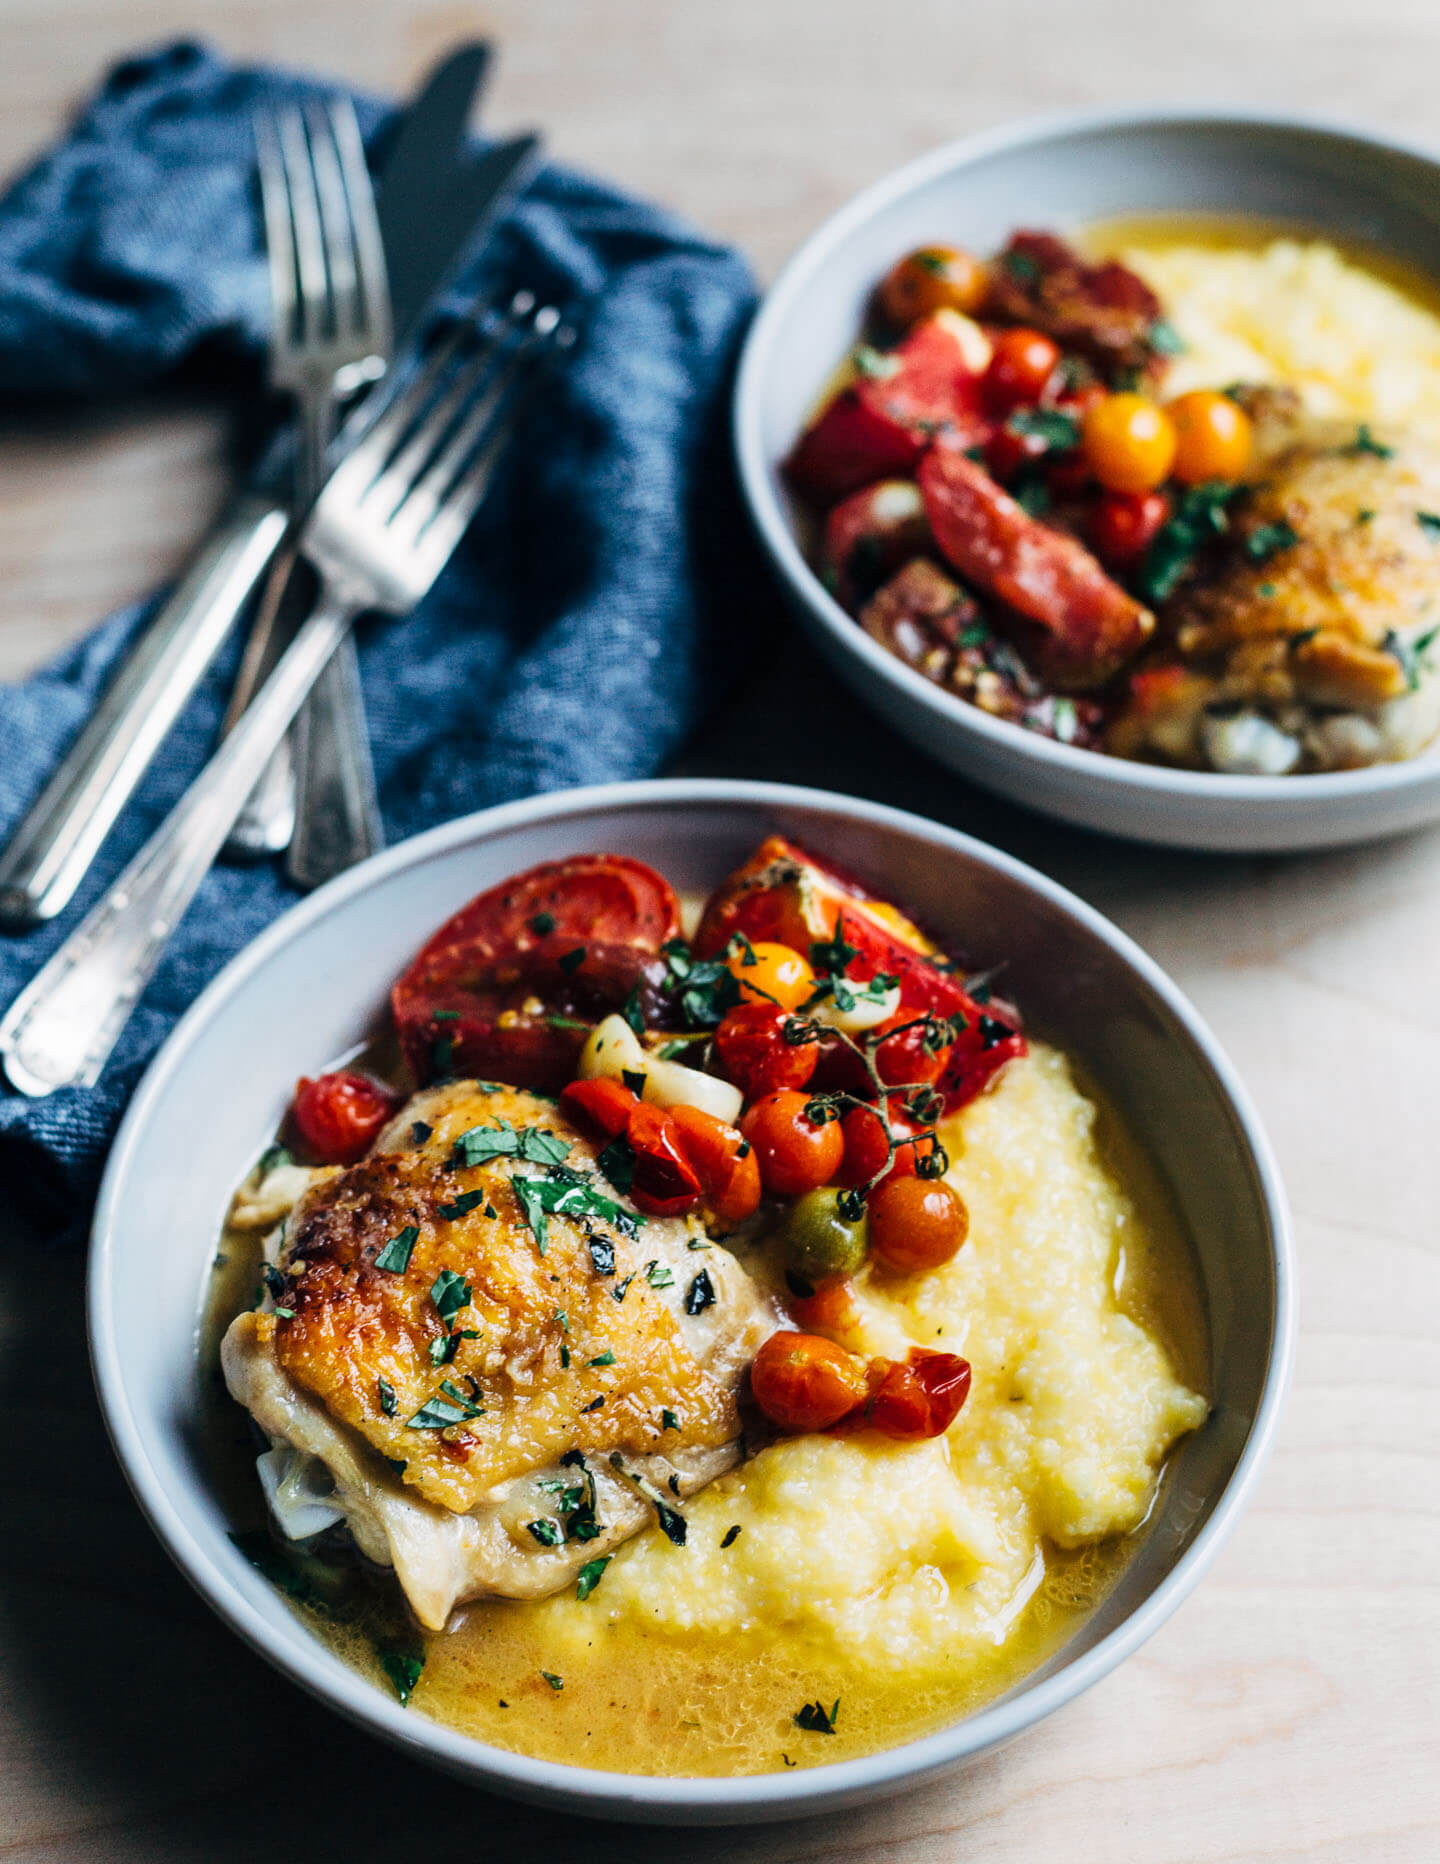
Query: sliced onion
[(672, 1084), (868, 1012), (611, 1049)]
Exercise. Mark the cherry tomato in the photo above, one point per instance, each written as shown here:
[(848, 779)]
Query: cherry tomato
[(802, 1382), (339, 1115), (830, 1308), (1020, 369), (1122, 525), (910, 1049), (665, 1184), (462, 1005), (757, 1053), (1213, 437), (1006, 452), (795, 1153), (603, 1104), (918, 1398), (771, 973), (916, 1223), (932, 278), (867, 1149), (1129, 441), (724, 1160)]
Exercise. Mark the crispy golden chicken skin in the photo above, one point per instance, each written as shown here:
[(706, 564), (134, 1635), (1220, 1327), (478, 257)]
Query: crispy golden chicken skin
[(545, 1340)]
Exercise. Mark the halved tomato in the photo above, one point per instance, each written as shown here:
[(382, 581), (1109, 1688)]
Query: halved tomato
[(509, 986), (796, 898)]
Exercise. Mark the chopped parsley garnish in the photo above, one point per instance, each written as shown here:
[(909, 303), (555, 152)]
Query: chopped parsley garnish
[(833, 955), (632, 1012), (673, 1524), (607, 1358), (557, 1683), (1021, 267), (1411, 655), (1164, 338), (1365, 442), (436, 1413), (594, 1405), (1268, 590), (571, 961), (816, 1719), (590, 1574), (567, 1193), (421, 1131), (700, 1294), (272, 1158), (1429, 522), (634, 1079), (284, 1313), (602, 1255), (501, 1140), (1056, 428), (732, 1534), (993, 1031), (445, 1016), (450, 1292), (708, 989), (1200, 518), (546, 1532), (621, 1288), (564, 1357), (402, 1664), (1365, 516), (1267, 539), (542, 924), (387, 1396), (617, 1162), (394, 1258), (442, 1054), (659, 1275), (462, 1206), (668, 1420), (873, 363), (272, 1278)]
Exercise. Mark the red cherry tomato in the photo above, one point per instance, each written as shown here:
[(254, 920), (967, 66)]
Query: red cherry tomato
[(724, 1160), (1020, 369), (919, 1397), (665, 1184), (339, 1115), (910, 1049), (605, 1105), (830, 1308), (802, 1382), (758, 1055), (1123, 525), (1006, 452), (499, 991), (916, 1223), (795, 1153), (866, 1148)]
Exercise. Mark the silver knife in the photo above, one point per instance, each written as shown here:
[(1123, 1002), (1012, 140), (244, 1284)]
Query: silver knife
[(52, 847)]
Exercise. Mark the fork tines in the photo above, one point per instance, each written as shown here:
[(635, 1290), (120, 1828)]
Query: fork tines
[(427, 458)]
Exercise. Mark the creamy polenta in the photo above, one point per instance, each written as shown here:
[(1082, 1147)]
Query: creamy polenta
[(910, 1582)]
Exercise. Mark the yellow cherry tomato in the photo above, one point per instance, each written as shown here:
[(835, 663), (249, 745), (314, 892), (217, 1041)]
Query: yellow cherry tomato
[(1129, 443), (932, 278), (770, 973), (1212, 437)]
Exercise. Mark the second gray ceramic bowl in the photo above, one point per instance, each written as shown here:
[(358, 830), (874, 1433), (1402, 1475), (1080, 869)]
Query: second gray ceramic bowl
[(1060, 173), (312, 986)]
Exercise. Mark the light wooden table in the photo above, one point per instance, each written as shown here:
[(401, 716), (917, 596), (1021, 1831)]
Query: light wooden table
[(1290, 1711)]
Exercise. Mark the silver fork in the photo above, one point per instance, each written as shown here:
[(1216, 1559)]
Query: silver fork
[(331, 335), (379, 534)]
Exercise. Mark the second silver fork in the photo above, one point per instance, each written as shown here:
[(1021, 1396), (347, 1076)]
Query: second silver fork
[(331, 336)]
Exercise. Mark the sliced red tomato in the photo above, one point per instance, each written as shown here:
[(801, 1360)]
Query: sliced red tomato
[(602, 1104), (508, 987), (879, 426), (918, 1397), (666, 1184)]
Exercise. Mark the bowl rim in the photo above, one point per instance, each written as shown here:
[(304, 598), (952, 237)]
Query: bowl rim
[(768, 516), (620, 1795)]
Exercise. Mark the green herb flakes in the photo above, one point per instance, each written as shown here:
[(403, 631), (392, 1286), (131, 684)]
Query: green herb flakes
[(1267, 539), (402, 1664), (542, 924), (421, 1132), (732, 1534), (272, 1158), (607, 1358), (1429, 522), (394, 1258), (450, 1292), (557, 1683), (1365, 442), (816, 1719), (668, 1420), (1164, 338), (700, 1294), (590, 1575), (462, 1206), (659, 1275), (617, 1162), (387, 1396), (546, 1532), (571, 961), (1058, 430)]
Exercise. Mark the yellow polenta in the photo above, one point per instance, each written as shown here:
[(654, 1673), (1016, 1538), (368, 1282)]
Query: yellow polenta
[(901, 1555)]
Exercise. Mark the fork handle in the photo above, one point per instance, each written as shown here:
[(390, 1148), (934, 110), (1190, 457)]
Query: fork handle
[(61, 1029), (54, 844)]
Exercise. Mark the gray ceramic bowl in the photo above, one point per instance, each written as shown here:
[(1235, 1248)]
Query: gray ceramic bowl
[(315, 982), (1059, 173)]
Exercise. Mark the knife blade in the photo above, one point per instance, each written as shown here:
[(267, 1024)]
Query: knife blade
[(51, 849)]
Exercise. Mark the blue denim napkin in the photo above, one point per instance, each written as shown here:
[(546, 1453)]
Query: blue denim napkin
[(570, 640)]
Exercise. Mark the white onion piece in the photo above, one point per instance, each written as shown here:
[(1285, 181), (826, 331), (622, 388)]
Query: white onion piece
[(975, 347), (611, 1049), (300, 1491), (868, 1012), (672, 1084)]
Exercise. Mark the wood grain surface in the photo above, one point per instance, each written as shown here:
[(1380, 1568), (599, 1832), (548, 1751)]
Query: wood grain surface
[(1289, 1712)]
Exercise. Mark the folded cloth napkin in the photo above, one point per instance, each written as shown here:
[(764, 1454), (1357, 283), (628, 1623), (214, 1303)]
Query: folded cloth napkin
[(572, 638)]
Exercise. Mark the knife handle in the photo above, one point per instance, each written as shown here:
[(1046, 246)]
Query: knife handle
[(49, 852)]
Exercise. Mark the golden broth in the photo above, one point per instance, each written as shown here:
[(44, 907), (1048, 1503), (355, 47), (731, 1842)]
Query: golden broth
[(635, 1691)]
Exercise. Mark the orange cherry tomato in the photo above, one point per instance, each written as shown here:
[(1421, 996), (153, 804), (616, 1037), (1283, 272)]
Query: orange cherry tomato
[(665, 1184), (606, 1105), (916, 1223), (1021, 365), (796, 1154), (339, 1115), (867, 1149), (724, 1160), (770, 973), (1129, 442), (802, 1382), (919, 1397), (1213, 437), (756, 1051), (932, 278), (910, 1049), (830, 1308), (1123, 525)]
